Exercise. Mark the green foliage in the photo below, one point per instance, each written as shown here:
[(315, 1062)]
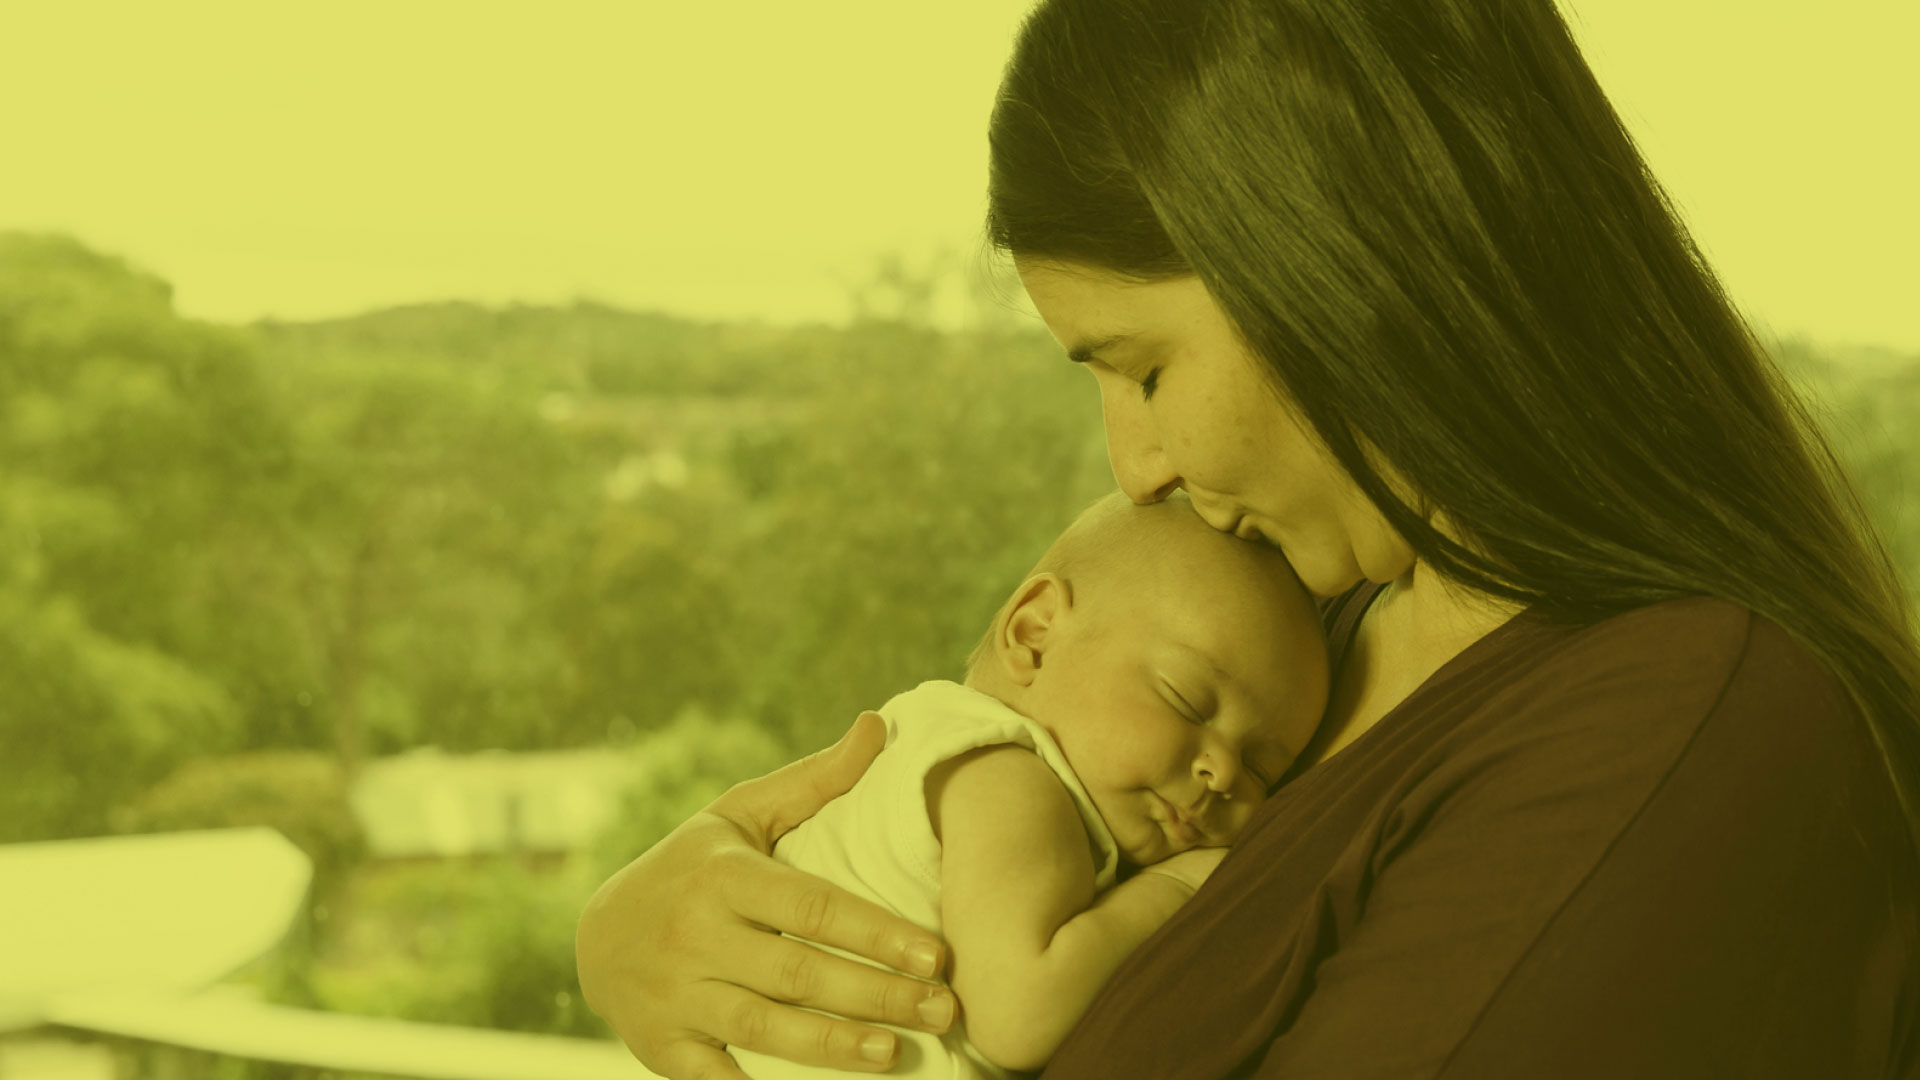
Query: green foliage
[(587, 348), (902, 512), (489, 943), (302, 794), (481, 945), (141, 453), (681, 769), (1869, 402), (88, 718), (436, 512), (59, 300)]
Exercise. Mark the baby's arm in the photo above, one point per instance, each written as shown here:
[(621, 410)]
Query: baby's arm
[(1031, 945)]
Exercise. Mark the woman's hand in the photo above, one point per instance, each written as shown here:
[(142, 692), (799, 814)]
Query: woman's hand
[(677, 950)]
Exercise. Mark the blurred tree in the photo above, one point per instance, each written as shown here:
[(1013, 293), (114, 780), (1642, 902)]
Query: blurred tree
[(303, 794), (1869, 402), (897, 291), (139, 514), (900, 512), (656, 609), (438, 513), (683, 766), (482, 945)]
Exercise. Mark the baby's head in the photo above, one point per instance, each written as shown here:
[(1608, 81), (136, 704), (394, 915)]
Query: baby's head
[(1181, 670)]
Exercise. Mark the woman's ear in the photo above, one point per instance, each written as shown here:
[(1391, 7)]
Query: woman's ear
[(1033, 614)]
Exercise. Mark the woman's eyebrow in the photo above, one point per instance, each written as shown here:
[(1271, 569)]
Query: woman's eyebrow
[(1089, 350)]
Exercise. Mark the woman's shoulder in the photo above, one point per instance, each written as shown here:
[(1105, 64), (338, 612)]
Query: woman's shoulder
[(1696, 649), (1617, 704), (1685, 710), (1670, 682)]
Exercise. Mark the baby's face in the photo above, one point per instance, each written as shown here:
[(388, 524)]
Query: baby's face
[(1180, 703)]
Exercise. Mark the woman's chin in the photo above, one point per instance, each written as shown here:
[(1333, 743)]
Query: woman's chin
[(1322, 576), (1322, 579)]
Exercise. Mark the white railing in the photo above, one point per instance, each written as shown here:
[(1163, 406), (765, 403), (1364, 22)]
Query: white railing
[(233, 1026), (123, 936)]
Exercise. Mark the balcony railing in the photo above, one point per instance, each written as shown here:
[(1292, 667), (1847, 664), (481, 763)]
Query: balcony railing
[(122, 937)]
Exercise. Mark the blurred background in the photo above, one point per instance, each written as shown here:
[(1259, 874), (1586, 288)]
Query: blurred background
[(466, 439)]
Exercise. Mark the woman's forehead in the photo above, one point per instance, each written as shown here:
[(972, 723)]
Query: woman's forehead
[(1093, 304)]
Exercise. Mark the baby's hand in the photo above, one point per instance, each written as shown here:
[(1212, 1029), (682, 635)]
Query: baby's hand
[(1190, 867)]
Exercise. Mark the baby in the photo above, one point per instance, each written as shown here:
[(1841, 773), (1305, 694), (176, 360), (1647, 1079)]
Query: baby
[(1132, 702)]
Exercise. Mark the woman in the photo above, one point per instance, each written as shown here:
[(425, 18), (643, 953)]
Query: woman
[(1619, 773)]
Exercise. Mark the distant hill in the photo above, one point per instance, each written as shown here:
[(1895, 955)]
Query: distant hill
[(586, 347)]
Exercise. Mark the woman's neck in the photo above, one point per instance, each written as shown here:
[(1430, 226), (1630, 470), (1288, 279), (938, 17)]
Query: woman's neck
[(1425, 620), (1414, 625)]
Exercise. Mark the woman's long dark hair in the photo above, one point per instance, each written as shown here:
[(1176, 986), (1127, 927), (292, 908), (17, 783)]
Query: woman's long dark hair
[(1427, 219)]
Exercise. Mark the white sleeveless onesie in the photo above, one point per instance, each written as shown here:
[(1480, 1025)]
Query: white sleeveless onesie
[(877, 842)]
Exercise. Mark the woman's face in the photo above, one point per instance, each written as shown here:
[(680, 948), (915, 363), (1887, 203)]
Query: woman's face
[(1186, 407)]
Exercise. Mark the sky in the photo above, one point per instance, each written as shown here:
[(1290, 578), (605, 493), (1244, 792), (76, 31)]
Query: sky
[(754, 159)]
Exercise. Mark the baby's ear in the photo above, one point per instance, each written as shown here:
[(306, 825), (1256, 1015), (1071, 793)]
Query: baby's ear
[(1031, 617)]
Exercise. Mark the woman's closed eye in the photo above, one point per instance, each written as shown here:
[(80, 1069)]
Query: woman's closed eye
[(1149, 384)]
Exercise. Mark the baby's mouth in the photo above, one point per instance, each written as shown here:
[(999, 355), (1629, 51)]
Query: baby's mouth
[(1183, 825)]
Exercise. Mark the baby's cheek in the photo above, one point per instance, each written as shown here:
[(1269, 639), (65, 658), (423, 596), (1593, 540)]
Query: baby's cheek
[(1243, 813)]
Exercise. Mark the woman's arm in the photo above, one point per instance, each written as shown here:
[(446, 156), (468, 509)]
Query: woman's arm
[(681, 952)]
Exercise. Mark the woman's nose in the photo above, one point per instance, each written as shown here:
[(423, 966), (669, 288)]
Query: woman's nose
[(1133, 449)]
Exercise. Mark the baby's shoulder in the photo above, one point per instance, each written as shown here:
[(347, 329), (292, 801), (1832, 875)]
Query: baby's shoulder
[(1003, 782), (937, 721)]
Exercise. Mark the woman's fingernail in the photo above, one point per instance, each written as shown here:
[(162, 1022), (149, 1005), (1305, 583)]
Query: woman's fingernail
[(923, 960), (877, 1047), (937, 1010)]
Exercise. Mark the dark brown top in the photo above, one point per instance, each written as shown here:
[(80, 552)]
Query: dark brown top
[(1660, 846)]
